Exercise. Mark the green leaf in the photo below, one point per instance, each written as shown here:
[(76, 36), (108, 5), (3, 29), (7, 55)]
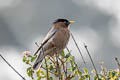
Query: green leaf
[(30, 56), (76, 72), (95, 77), (86, 76), (51, 67), (39, 78), (72, 58), (73, 68), (113, 74), (30, 72), (38, 73), (67, 55), (85, 70), (24, 58), (62, 54), (42, 72), (81, 79), (118, 73), (80, 73), (69, 69), (51, 78), (33, 58), (28, 61)]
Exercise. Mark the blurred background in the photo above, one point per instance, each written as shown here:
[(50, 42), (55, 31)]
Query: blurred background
[(24, 22)]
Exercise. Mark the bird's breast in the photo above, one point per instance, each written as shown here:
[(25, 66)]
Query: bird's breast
[(61, 39)]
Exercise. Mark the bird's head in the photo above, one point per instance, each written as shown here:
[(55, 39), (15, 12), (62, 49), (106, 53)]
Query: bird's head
[(63, 22)]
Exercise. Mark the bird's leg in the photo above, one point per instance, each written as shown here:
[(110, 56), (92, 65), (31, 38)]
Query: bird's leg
[(57, 66)]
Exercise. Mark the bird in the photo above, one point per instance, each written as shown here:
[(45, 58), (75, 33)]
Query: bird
[(54, 42)]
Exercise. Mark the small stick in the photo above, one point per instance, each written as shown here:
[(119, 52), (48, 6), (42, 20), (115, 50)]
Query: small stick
[(52, 60), (12, 67), (103, 69), (45, 61), (48, 71), (116, 59), (74, 61), (36, 44), (57, 66), (68, 50), (65, 70), (46, 65), (91, 60), (78, 49)]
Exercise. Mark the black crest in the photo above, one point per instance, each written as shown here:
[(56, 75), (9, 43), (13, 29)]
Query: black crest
[(61, 20)]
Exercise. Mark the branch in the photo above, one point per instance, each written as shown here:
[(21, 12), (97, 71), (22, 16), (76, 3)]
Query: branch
[(48, 71), (74, 61), (46, 65), (91, 60), (64, 69), (116, 59), (12, 67), (45, 60), (58, 67), (78, 49)]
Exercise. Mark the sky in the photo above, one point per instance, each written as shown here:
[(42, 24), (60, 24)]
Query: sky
[(24, 22)]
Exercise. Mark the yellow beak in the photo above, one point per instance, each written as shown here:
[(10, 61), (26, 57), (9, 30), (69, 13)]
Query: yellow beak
[(71, 22)]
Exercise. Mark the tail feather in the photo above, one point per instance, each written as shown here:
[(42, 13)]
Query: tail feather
[(37, 65), (38, 61)]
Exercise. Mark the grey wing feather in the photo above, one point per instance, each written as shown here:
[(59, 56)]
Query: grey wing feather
[(49, 36), (41, 55)]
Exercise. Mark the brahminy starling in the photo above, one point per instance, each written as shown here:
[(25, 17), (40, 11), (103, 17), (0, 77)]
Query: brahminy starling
[(54, 42)]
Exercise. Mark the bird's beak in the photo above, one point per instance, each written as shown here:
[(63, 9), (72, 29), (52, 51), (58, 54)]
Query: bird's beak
[(71, 22)]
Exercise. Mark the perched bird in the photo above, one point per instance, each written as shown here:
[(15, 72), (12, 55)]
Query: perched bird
[(55, 41)]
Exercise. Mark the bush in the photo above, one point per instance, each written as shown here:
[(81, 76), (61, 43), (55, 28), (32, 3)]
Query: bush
[(64, 67)]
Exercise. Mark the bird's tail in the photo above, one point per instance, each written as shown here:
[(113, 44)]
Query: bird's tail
[(38, 61)]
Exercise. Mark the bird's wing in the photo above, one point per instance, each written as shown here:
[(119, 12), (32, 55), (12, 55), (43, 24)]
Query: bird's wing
[(48, 37)]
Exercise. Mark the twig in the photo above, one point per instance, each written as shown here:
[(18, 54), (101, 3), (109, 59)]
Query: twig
[(52, 60), (48, 70), (45, 61), (74, 61), (103, 69), (65, 70), (57, 67), (36, 44), (68, 50), (116, 59), (78, 49), (46, 65), (91, 60), (12, 67)]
